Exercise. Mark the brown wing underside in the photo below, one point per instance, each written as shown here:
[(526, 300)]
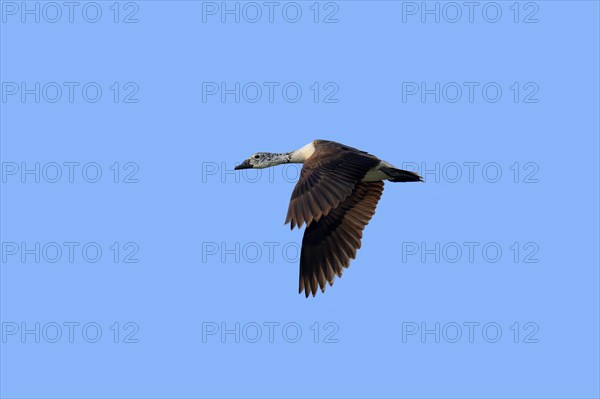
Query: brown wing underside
[(330, 243), (327, 178)]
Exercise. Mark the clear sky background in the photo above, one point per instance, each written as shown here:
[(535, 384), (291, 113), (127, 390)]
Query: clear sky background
[(136, 263)]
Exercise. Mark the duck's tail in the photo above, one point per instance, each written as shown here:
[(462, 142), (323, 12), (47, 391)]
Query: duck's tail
[(401, 175)]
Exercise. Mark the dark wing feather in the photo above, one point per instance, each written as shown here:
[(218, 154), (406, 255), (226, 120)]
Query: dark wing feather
[(330, 243), (327, 178)]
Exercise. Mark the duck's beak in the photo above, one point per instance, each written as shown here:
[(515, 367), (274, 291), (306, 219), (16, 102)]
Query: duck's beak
[(244, 165)]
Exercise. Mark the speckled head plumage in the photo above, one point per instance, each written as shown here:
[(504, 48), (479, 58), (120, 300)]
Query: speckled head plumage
[(262, 160)]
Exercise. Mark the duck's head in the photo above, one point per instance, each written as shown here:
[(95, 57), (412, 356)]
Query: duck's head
[(262, 160)]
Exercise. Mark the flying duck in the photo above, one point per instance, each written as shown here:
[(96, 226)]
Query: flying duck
[(336, 196)]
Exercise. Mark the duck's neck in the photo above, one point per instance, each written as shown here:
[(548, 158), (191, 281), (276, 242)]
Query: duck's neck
[(278, 159), (298, 156), (302, 154)]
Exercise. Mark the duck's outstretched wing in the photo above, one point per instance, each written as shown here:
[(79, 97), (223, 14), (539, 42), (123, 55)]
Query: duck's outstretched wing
[(328, 177), (330, 242)]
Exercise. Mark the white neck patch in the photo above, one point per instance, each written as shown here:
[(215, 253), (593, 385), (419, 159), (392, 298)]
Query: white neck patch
[(303, 153)]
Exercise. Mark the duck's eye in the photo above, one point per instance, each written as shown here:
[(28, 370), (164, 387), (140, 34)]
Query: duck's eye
[(256, 156)]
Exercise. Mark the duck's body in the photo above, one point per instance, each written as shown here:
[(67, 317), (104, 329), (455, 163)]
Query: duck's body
[(336, 196)]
